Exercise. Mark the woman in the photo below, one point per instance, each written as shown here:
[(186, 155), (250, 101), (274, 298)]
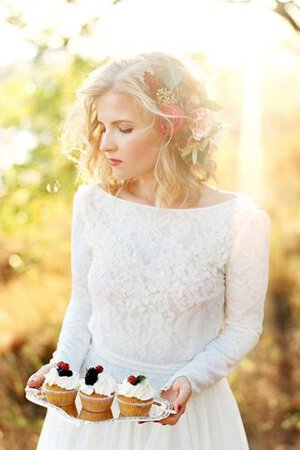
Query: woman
[(169, 274)]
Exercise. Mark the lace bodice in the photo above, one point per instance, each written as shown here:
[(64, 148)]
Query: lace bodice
[(163, 286)]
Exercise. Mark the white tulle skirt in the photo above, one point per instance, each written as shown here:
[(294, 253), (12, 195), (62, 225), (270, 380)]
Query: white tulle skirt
[(211, 421)]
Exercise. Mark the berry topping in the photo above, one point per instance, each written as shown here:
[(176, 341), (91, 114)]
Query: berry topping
[(135, 380), (63, 365), (99, 369), (65, 373), (91, 376), (132, 380)]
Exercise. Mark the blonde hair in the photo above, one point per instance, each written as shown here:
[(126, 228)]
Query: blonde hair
[(175, 178)]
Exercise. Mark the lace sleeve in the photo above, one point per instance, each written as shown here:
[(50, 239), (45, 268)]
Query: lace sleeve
[(246, 283), (74, 336)]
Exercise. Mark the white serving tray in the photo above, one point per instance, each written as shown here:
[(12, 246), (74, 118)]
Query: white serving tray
[(160, 409)]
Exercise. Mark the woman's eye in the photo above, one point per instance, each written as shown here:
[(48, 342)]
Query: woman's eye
[(128, 130)]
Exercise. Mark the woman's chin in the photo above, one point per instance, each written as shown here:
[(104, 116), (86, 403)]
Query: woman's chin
[(121, 177)]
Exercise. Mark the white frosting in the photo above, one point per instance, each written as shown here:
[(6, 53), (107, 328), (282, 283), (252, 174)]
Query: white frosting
[(142, 390), (105, 385), (52, 377)]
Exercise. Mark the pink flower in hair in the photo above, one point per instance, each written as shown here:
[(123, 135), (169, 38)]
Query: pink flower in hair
[(171, 110), (202, 123)]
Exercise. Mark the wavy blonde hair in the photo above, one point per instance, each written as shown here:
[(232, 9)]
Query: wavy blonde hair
[(176, 179)]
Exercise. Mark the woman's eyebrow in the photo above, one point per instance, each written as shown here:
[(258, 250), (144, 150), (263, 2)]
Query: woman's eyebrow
[(115, 122)]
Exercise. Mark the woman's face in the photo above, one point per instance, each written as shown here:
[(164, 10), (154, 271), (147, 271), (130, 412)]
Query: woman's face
[(127, 136)]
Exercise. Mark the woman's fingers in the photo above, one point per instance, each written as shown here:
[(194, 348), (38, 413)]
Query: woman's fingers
[(171, 420), (179, 394), (182, 398), (36, 380)]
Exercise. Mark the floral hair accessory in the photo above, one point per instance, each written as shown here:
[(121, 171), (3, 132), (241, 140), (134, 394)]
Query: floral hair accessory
[(193, 127)]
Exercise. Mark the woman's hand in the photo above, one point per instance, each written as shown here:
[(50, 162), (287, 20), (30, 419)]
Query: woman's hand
[(178, 393), (37, 379)]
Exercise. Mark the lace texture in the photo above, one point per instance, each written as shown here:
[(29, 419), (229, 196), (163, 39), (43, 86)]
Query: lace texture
[(162, 286)]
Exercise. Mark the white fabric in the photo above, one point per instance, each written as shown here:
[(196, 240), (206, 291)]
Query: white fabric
[(164, 292)]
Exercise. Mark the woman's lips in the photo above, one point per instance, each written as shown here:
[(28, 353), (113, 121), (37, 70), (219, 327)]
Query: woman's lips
[(114, 162)]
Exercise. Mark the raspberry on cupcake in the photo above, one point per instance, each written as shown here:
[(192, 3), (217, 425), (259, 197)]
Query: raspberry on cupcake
[(135, 396), (61, 385), (97, 390)]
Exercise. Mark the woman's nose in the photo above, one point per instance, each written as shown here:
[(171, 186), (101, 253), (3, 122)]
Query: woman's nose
[(107, 142)]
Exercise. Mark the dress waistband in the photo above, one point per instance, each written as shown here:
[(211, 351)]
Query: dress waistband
[(133, 364)]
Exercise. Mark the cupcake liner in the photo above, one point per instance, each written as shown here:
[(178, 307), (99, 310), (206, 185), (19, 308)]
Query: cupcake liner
[(134, 407), (96, 402), (60, 397)]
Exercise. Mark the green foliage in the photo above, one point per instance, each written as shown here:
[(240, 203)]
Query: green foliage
[(38, 99)]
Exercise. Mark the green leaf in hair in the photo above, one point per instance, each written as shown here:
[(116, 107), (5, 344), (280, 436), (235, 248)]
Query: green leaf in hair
[(210, 104), (171, 76), (202, 155)]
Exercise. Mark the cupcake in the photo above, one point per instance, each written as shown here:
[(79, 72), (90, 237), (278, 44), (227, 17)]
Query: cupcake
[(97, 390), (135, 396), (61, 385)]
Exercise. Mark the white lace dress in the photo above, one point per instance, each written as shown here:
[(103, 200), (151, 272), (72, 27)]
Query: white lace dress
[(163, 292)]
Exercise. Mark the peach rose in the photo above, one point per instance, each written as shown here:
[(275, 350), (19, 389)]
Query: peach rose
[(202, 123), (172, 110)]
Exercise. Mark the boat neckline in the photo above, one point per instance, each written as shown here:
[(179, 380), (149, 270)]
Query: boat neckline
[(144, 205)]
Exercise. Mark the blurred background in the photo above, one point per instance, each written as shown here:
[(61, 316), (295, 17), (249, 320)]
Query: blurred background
[(249, 52)]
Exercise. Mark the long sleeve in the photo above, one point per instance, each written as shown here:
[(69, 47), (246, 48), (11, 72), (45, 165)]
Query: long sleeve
[(246, 282), (74, 336)]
